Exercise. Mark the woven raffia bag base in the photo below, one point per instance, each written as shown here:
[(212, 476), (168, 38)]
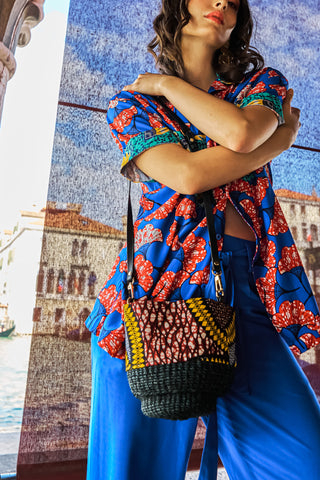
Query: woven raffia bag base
[(180, 390)]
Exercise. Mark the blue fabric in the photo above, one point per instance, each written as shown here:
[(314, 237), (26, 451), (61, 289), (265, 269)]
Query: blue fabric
[(266, 428)]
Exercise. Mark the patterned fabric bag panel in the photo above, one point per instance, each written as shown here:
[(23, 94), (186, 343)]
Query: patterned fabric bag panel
[(180, 356)]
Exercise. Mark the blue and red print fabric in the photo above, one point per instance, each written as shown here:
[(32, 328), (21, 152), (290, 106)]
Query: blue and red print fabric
[(172, 254)]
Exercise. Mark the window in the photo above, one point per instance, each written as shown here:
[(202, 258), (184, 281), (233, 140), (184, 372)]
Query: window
[(302, 209), (294, 232), (305, 233), (61, 281), (37, 314), (314, 233), (84, 248), (50, 281), (40, 280), (91, 283), (82, 280), (75, 248), (292, 208), (71, 282), (58, 315)]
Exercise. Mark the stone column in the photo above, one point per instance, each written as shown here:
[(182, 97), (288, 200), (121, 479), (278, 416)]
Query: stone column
[(17, 17), (7, 69)]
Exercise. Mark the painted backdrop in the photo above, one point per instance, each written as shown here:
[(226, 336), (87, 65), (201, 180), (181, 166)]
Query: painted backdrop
[(106, 49)]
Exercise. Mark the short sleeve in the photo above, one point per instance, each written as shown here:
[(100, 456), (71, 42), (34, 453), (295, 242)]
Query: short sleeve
[(136, 126), (267, 88)]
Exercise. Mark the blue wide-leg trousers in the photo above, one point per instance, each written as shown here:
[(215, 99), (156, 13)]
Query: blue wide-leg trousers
[(266, 428)]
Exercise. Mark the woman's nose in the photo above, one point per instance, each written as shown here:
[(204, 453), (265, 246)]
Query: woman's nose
[(222, 4)]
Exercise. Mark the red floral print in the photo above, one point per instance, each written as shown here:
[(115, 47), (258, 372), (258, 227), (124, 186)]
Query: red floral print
[(251, 210), (267, 251), (272, 74), (113, 343), (146, 203), (194, 252), (168, 282), (201, 276), (143, 270), (144, 102), (259, 88), (281, 90), (265, 286), (186, 209), (173, 239), (290, 259), (292, 313), (113, 103), (111, 299), (148, 234), (155, 121), (309, 339), (123, 119), (123, 266), (278, 223), (164, 210), (107, 297)]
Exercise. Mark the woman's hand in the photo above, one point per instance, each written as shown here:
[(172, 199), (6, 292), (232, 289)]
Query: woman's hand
[(148, 83), (291, 118)]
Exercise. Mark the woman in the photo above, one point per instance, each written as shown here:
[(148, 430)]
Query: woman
[(268, 425)]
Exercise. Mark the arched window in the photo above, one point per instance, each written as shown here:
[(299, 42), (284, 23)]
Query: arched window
[(91, 283), (84, 248), (294, 232), (82, 280), (50, 281), (40, 280), (61, 281), (304, 232), (71, 282), (75, 248), (314, 233)]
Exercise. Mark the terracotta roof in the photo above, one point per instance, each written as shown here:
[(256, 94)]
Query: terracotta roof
[(72, 220), (283, 193)]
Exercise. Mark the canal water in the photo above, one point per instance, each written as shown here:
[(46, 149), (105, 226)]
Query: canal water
[(14, 359)]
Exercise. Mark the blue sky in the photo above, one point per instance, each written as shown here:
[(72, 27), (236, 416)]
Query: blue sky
[(106, 49), (56, 6), (29, 116)]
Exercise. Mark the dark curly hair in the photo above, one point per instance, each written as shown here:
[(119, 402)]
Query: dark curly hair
[(166, 45)]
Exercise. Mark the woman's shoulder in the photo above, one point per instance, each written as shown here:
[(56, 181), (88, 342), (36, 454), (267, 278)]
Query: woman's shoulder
[(268, 75), (128, 98)]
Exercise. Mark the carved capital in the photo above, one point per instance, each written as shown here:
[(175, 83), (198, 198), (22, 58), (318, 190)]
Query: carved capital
[(7, 59), (33, 14)]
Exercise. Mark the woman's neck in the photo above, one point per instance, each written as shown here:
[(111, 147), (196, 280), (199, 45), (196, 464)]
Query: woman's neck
[(197, 58)]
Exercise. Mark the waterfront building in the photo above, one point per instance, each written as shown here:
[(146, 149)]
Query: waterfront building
[(77, 254), (303, 215)]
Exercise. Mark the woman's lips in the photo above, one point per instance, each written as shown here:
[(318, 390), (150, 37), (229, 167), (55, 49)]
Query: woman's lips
[(215, 17)]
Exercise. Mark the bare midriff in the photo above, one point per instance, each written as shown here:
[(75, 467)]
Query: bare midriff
[(235, 225)]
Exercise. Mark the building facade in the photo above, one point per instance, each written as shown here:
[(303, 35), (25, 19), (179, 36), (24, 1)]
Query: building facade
[(77, 255), (303, 216)]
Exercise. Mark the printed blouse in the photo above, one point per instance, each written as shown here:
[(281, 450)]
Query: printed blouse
[(172, 254)]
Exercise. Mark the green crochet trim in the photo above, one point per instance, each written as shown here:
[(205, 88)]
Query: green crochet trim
[(267, 100), (151, 138)]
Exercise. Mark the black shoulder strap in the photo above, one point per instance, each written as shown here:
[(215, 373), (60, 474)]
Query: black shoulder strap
[(208, 202)]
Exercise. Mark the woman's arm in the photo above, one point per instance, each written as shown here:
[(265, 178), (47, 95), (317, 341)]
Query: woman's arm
[(191, 173), (240, 130)]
